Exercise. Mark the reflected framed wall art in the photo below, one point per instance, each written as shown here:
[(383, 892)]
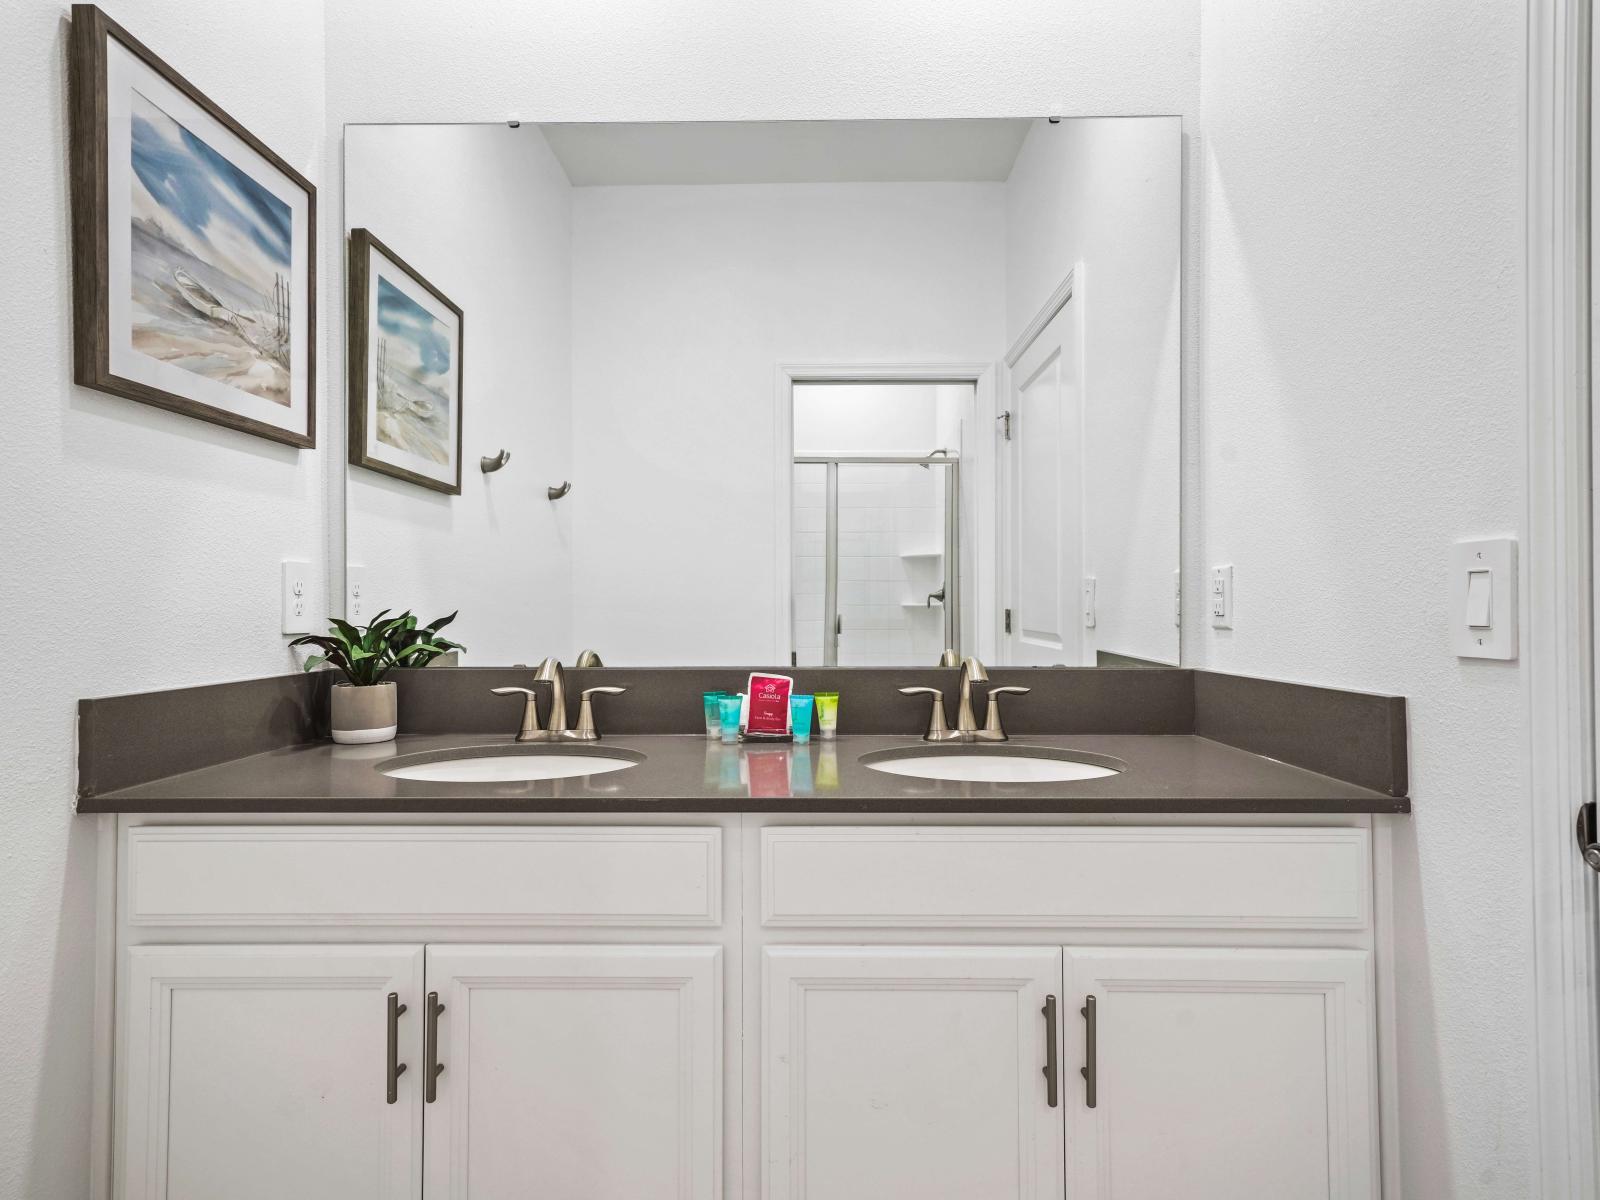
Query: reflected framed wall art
[(404, 352), (194, 247)]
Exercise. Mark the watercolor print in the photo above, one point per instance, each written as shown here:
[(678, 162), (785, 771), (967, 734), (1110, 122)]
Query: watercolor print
[(210, 261), (193, 247), (404, 342), (412, 374)]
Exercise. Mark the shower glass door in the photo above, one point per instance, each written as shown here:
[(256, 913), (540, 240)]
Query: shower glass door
[(876, 572)]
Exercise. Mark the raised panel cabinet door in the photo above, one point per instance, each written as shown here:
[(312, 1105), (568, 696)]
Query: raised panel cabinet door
[(914, 1072), (1220, 1074), (260, 1072), (576, 1073)]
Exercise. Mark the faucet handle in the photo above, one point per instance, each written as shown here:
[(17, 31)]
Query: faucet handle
[(938, 727), (530, 710), (992, 730), (586, 731)]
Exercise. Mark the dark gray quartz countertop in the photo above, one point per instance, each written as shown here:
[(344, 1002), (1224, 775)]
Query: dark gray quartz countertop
[(1165, 773)]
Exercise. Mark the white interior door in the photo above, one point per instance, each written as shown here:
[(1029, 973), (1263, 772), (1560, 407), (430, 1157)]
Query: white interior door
[(260, 1072), (1220, 1074), (576, 1073), (918, 1072), (1044, 501)]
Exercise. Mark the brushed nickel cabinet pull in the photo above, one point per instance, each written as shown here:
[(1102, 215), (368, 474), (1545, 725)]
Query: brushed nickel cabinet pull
[(430, 1050), (1052, 1064), (1091, 1055), (394, 1068)]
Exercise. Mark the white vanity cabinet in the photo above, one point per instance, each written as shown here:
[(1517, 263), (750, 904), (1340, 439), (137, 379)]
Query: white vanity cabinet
[(576, 1071), (750, 1007), (1263, 1054), (258, 1072), (909, 1071)]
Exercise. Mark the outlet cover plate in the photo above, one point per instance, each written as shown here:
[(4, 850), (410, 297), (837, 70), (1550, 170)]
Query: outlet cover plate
[(296, 596)]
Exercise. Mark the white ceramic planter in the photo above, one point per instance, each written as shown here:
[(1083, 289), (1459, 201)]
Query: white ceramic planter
[(365, 714)]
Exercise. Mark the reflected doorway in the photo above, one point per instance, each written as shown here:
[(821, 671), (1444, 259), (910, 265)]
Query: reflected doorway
[(878, 573)]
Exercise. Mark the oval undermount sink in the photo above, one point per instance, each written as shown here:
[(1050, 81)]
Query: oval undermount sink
[(509, 764), (995, 764)]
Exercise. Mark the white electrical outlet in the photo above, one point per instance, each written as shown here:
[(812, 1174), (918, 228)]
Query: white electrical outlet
[(355, 592), (296, 596), (1088, 602), (1177, 598), (1221, 597)]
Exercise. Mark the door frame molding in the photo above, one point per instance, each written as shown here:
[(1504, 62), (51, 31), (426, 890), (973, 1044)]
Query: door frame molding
[(1557, 635), (1030, 332), (980, 479)]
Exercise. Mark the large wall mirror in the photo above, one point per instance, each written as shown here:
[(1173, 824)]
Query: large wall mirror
[(840, 392)]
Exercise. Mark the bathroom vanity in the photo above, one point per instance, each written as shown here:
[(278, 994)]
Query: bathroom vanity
[(851, 397), (756, 971)]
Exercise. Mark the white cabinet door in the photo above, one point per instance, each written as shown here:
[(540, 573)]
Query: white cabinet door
[(908, 1072), (260, 1072), (576, 1073), (1220, 1074)]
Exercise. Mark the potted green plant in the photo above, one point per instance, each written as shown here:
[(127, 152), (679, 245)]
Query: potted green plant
[(365, 707)]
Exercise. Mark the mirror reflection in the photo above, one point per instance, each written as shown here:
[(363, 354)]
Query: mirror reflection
[(854, 393)]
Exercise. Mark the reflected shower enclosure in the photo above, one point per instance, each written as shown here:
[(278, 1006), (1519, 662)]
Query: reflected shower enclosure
[(876, 528)]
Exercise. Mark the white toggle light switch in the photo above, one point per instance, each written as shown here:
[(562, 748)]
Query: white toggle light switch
[(1480, 600), (1483, 598)]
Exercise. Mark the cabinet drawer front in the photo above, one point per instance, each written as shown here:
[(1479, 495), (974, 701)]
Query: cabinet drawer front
[(416, 875), (1155, 877)]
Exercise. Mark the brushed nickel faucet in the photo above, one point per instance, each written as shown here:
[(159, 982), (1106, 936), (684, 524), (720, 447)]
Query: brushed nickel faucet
[(972, 671), (551, 672), (966, 730)]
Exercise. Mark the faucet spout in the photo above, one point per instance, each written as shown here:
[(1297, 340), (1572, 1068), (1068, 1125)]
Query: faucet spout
[(551, 672), (972, 671)]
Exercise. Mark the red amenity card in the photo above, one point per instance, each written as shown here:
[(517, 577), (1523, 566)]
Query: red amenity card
[(768, 704)]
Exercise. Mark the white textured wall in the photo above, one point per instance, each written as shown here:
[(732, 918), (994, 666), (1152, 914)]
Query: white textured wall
[(1104, 198), (1360, 409), (140, 547), (483, 212), (684, 299)]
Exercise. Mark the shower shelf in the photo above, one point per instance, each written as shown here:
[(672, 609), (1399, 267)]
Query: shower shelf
[(922, 554)]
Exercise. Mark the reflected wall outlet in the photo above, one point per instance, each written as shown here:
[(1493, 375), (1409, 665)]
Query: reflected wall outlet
[(1221, 597), (355, 593), (296, 596)]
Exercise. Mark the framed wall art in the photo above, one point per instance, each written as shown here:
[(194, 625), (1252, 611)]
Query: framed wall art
[(404, 391), (194, 247)]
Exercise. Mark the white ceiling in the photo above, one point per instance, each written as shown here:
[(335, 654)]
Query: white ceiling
[(787, 151)]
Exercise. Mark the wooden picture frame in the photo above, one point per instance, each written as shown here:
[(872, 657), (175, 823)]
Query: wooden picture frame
[(402, 423), (193, 247)]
